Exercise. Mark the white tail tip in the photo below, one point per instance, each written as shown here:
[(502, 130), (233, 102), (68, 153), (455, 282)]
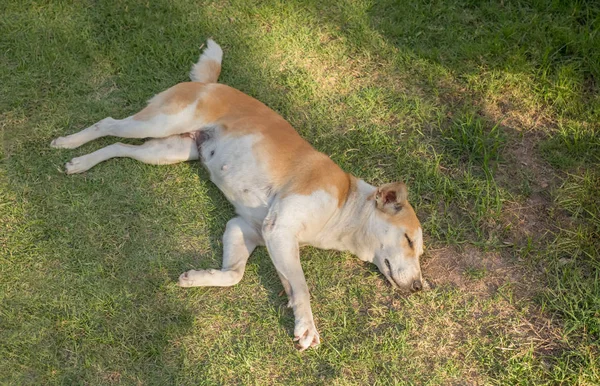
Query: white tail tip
[(208, 68)]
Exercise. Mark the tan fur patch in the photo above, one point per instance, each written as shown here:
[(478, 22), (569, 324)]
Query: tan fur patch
[(295, 166), (210, 71), (171, 101), (405, 218), (320, 172)]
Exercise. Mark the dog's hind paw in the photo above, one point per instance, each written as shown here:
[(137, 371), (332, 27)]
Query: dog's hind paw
[(63, 143)]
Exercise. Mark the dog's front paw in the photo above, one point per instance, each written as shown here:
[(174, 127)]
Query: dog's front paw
[(306, 335), (193, 278)]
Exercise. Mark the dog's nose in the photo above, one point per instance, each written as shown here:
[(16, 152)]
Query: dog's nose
[(417, 285)]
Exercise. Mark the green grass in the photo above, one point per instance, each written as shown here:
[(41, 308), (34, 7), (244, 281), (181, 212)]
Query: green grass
[(489, 111)]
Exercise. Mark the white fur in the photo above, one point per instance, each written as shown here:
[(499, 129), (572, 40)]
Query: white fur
[(162, 151), (233, 167)]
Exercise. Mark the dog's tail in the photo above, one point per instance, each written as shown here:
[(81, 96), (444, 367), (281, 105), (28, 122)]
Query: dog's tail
[(208, 68)]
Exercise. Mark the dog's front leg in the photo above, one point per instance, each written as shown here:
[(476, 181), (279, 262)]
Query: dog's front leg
[(239, 240), (284, 251)]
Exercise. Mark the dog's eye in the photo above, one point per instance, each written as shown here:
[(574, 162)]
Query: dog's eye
[(410, 243)]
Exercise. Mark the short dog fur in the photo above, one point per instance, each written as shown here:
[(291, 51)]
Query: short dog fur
[(285, 193)]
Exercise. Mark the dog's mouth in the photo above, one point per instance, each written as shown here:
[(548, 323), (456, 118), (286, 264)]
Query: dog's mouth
[(391, 280), (387, 272)]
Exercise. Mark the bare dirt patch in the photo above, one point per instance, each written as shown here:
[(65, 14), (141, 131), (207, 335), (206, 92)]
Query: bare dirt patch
[(491, 300), (481, 277), (112, 377), (471, 271)]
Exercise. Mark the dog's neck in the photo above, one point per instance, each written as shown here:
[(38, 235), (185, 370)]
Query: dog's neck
[(352, 226)]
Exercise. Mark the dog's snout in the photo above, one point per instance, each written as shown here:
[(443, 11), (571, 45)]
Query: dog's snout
[(417, 285)]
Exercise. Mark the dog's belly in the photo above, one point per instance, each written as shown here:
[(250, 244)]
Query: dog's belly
[(233, 167)]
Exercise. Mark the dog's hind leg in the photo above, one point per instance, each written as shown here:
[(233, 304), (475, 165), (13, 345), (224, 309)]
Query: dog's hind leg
[(239, 240), (171, 112), (164, 151), (129, 127)]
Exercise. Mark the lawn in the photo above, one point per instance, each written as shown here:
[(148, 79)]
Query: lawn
[(490, 111)]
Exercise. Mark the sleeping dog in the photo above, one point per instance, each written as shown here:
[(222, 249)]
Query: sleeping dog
[(285, 193)]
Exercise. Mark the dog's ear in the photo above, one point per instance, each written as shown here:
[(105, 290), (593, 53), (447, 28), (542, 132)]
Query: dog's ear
[(390, 198)]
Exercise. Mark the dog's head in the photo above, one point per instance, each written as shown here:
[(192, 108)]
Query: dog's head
[(399, 237)]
